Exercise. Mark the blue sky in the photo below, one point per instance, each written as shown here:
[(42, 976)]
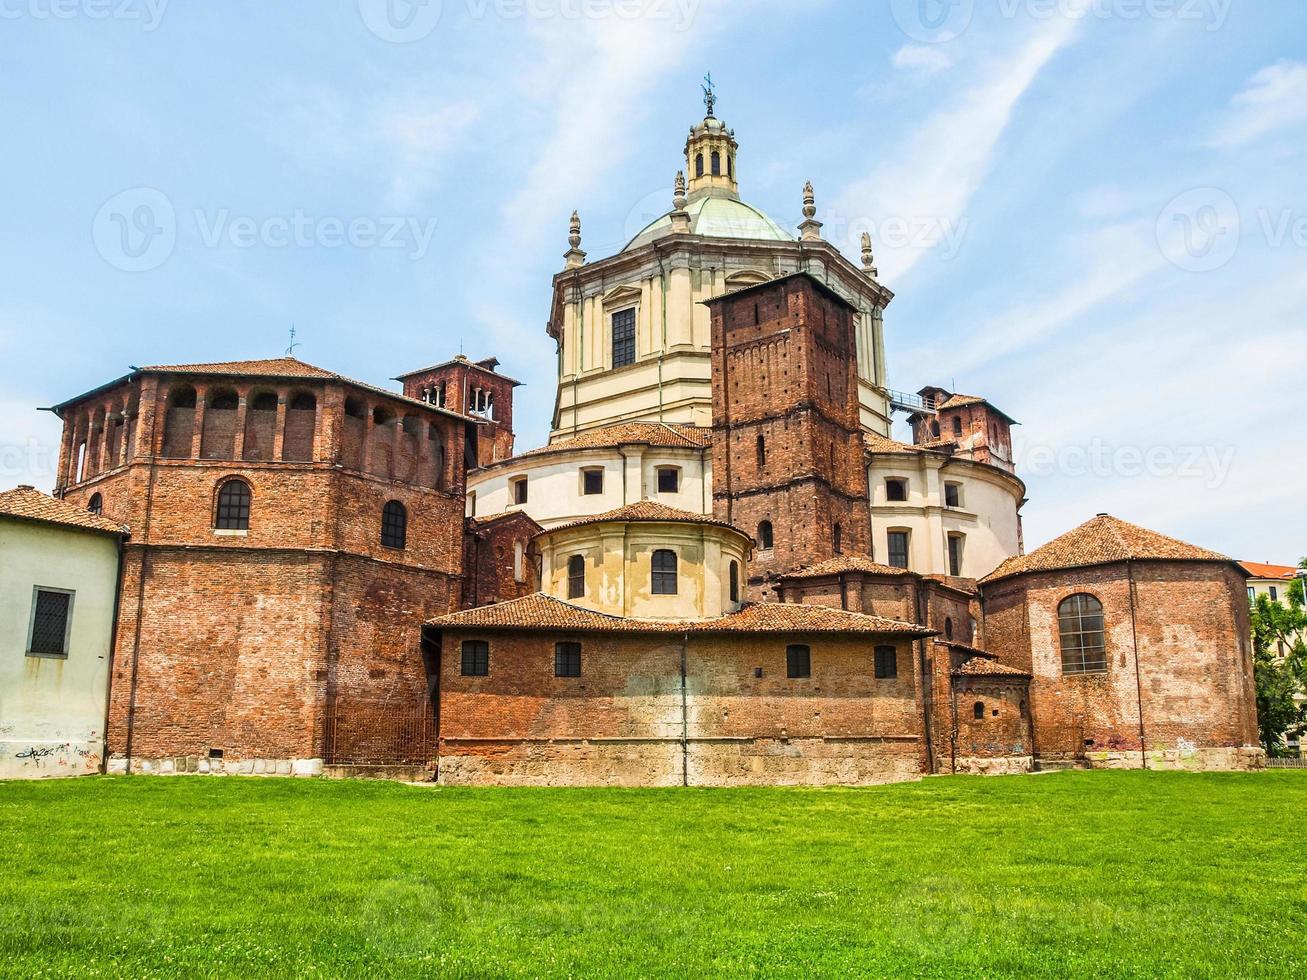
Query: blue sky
[(1092, 211)]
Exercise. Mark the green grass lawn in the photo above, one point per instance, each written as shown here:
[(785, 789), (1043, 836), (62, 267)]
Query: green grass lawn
[(1083, 873)]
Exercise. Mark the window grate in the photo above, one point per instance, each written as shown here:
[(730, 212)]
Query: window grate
[(623, 338), (50, 623), (1080, 628), (664, 572), (234, 506), (476, 658), (567, 660), (394, 525)]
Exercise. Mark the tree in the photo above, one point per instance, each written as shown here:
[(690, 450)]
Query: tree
[(1281, 679)]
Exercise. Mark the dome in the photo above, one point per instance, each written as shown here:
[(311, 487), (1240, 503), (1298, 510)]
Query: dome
[(717, 217)]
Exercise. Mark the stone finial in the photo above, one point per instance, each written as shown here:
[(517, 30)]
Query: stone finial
[(680, 217), (678, 195), (575, 257), (868, 260), (810, 226)]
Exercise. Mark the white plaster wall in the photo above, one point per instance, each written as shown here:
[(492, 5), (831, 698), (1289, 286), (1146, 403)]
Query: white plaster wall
[(52, 710), (630, 475)]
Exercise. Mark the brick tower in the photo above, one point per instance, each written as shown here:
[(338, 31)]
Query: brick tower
[(474, 389), (788, 457)]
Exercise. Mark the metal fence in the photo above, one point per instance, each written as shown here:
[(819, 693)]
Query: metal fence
[(375, 735), (1286, 763)]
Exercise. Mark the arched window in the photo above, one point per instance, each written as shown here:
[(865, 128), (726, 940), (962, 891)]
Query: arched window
[(233, 513), (96, 504), (576, 577), (1080, 625), (353, 408), (698, 165), (978, 710), (837, 535), (948, 628), (716, 164), (765, 536), (663, 567), (394, 525), (730, 165), (224, 400), (519, 562), (733, 572)]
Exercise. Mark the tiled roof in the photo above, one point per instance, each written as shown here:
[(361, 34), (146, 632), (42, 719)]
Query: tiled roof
[(647, 510), (28, 504), (880, 444), (1259, 569), (1101, 541), (846, 563), (985, 667), (964, 647), (482, 365), (543, 612), (660, 435), (961, 401)]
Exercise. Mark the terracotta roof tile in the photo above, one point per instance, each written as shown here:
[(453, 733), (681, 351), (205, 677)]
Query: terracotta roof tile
[(486, 366), (875, 443), (647, 510), (544, 612), (658, 434), (1101, 541), (28, 504), (1259, 569), (961, 401), (842, 564), (985, 667)]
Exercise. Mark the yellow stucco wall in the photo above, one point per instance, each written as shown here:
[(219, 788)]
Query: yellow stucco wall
[(52, 710)]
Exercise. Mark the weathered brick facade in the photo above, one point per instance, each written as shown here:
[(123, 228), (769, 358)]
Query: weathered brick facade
[(667, 709), (474, 389), (1178, 677), (500, 561), (787, 442), (241, 648)]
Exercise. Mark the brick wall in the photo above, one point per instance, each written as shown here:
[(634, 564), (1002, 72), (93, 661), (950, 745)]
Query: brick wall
[(1192, 674), (500, 561), (626, 721)]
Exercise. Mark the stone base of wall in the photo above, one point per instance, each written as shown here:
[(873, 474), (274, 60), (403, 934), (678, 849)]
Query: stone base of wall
[(804, 761), (183, 765), (659, 762), (994, 766), (48, 758), (1183, 758)]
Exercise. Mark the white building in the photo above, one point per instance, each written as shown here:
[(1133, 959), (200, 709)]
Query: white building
[(58, 587)]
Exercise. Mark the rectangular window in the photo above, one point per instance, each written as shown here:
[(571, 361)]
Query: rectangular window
[(623, 338), (567, 660), (51, 625), (952, 495), (592, 482), (663, 572), (669, 479), (519, 491), (896, 491), (955, 543), (476, 658), (887, 662), (798, 661), (1275, 596), (1252, 593), (898, 549)]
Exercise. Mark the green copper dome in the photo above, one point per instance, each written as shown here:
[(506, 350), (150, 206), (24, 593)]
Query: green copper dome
[(717, 217)]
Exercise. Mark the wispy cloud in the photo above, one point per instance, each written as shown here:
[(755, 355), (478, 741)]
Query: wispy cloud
[(921, 59), (1273, 99), (934, 173)]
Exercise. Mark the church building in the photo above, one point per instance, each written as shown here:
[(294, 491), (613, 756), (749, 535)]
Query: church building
[(721, 569)]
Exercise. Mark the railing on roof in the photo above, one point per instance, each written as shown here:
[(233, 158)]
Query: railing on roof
[(902, 401)]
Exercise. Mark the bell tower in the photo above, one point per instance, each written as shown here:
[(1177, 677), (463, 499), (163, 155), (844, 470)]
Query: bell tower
[(710, 153)]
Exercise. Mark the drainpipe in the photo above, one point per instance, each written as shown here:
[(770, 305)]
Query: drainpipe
[(113, 648), (928, 682), (1139, 682), (685, 715)]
